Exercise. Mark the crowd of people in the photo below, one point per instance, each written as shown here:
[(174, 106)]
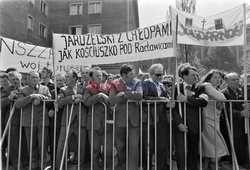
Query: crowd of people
[(85, 103)]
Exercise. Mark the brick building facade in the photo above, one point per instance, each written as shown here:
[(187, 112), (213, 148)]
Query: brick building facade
[(33, 21), (26, 21)]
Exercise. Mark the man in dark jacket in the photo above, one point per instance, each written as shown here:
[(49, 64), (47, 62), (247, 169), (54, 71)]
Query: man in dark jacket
[(15, 80), (46, 75), (235, 92), (94, 95), (4, 87), (123, 89), (30, 99), (191, 97), (153, 89), (51, 113), (70, 95)]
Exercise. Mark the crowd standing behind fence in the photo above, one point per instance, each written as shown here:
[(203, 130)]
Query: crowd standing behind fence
[(82, 117)]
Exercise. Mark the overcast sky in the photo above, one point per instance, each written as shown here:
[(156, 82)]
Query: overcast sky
[(154, 11)]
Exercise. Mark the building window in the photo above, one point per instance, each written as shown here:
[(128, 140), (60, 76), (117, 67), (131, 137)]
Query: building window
[(95, 7), (75, 30), (44, 8), (75, 8), (32, 2), (95, 29), (30, 23), (43, 31)]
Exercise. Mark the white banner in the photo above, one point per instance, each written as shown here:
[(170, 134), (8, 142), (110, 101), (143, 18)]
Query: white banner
[(223, 29), (26, 57), (140, 44)]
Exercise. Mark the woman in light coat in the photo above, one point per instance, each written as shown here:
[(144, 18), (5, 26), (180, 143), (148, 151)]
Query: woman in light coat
[(211, 135)]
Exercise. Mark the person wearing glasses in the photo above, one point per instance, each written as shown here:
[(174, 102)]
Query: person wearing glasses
[(235, 92), (85, 75), (168, 84), (153, 89), (193, 97)]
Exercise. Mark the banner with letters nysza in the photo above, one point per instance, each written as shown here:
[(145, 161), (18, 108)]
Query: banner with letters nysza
[(222, 29), (136, 45)]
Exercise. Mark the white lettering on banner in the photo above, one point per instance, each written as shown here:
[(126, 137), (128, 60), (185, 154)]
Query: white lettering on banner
[(223, 29), (141, 44), (212, 35)]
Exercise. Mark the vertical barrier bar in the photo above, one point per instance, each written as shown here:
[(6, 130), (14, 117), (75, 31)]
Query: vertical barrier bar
[(67, 135), (171, 139), (185, 135), (231, 136), (79, 136), (1, 141), (43, 129), (234, 159), (31, 135), (248, 139), (92, 137), (155, 109), (148, 138), (245, 58), (20, 140), (141, 136), (127, 133), (54, 141), (67, 124), (231, 119), (200, 142), (5, 132), (8, 148), (215, 136), (105, 137), (113, 148)]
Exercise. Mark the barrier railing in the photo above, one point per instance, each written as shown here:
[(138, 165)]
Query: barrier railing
[(148, 103)]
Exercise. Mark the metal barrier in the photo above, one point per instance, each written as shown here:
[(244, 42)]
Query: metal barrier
[(148, 103)]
